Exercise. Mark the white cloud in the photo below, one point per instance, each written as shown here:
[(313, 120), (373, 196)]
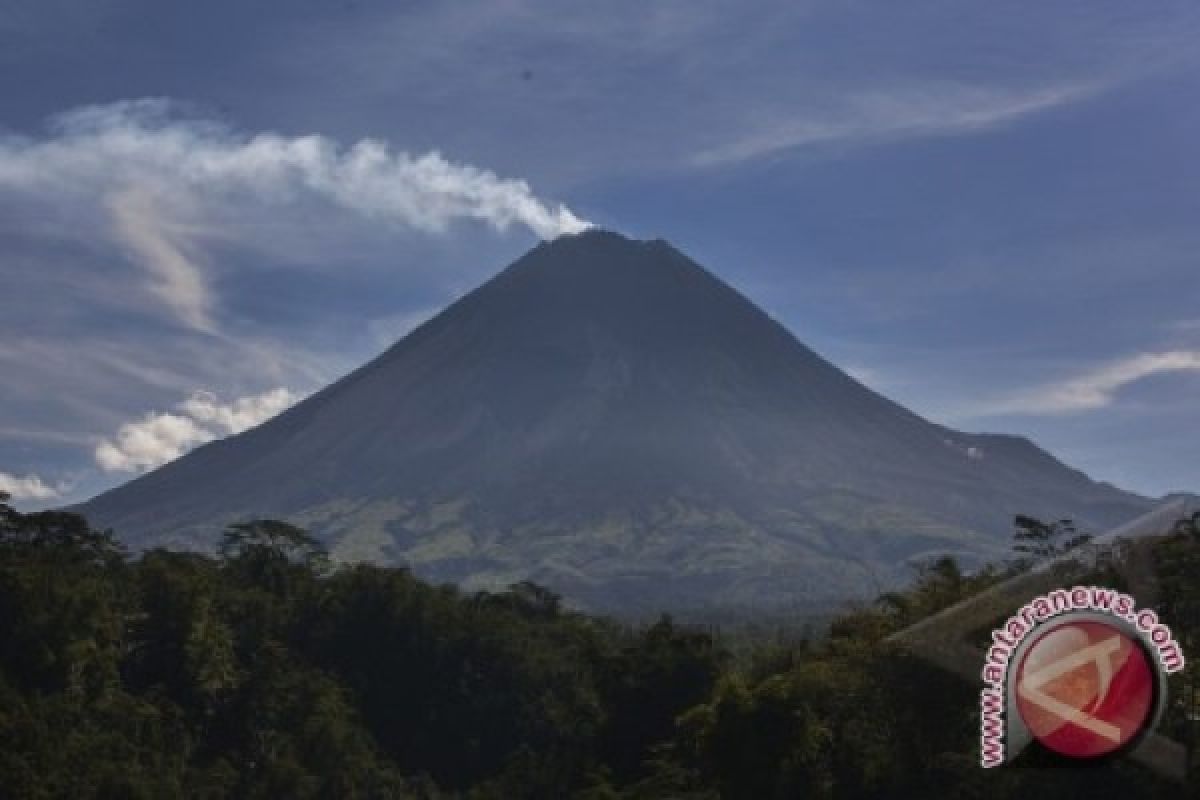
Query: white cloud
[(159, 186), (1094, 389), (930, 110), (30, 487), (150, 442), (160, 437), (242, 414)]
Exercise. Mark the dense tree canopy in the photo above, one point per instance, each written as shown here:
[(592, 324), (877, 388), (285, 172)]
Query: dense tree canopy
[(264, 671)]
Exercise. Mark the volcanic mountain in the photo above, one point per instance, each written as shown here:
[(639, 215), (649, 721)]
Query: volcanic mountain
[(607, 418)]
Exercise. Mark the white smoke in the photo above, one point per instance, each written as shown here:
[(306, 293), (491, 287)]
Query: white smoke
[(150, 179)]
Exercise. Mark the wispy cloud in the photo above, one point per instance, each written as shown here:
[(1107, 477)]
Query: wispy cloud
[(44, 436), (867, 376), (1093, 389), (140, 224), (388, 330), (153, 183), (29, 487), (1184, 326), (905, 112), (160, 437)]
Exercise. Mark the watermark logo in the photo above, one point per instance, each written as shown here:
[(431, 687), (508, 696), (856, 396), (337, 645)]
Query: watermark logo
[(1080, 672), (1085, 689)]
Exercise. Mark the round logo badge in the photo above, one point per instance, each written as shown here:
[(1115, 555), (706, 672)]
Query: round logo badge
[(1085, 689)]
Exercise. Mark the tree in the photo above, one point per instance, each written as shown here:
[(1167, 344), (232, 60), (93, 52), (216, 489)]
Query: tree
[(1188, 526), (61, 602), (1037, 541), (273, 555), (274, 540), (656, 678)]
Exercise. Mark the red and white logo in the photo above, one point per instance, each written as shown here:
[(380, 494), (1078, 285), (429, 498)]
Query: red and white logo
[(1085, 689)]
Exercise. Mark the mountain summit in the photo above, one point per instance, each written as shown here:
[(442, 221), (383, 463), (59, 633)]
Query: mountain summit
[(610, 419)]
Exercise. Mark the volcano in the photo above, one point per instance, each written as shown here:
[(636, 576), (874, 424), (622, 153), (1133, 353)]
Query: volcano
[(609, 419)]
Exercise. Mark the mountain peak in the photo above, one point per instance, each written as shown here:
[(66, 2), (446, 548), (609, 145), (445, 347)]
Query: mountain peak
[(610, 419), (594, 234), (602, 240), (608, 279), (616, 255)]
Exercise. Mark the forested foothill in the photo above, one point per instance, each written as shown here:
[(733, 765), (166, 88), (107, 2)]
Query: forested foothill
[(266, 671)]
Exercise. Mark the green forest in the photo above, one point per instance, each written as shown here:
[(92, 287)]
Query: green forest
[(266, 671)]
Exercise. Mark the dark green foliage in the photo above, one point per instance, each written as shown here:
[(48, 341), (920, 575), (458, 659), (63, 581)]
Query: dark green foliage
[(655, 677), (1036, 540), (265, 673)]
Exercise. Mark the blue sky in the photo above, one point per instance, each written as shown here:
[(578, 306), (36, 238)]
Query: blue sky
[(208, 210)]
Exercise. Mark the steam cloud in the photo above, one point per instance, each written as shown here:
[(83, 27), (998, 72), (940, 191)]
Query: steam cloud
[(152, 176)]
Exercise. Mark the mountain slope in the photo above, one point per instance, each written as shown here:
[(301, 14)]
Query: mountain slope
[(609, 418)]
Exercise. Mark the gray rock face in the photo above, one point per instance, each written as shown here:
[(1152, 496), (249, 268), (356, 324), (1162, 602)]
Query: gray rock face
[(609, 419)]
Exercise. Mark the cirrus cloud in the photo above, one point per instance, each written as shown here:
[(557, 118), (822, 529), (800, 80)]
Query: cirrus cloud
[(899, 113), (1096, 388)]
